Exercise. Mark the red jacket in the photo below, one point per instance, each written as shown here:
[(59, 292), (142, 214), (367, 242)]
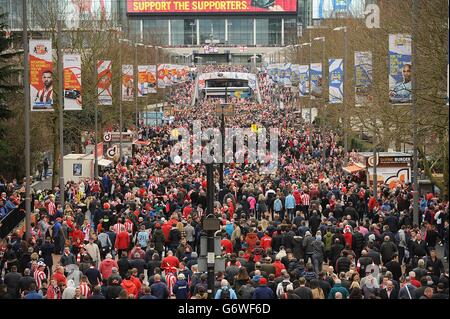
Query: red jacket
[(226, 243), (77, 234), (251, 240), (279, 266), (166, 227), (169, 262), (59, 277), (130, 287), (106, 267), (348, 238), (122, 240), (266, 242)]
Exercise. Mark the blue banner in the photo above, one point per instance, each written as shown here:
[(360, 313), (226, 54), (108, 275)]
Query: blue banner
[(316, 81), (303, 85), (336, 78), (363, 78), (400, 59)]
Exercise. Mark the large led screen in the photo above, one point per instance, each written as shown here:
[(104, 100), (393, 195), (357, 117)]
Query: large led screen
[(210, 6)]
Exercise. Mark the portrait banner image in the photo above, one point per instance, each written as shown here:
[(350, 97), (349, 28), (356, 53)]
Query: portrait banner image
[(142, 80), (316, 81), (326, 9), (295, 74), (303, 85), (151, 79), (127, 83), (163, 76), (41, 75), (72, 82), (400, 59), (104, 82), (363, 78), (137, 7), (336, 83)]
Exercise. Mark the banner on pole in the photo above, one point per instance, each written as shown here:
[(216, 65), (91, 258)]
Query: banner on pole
[(363, 78), (72, 82), (151, 79), (104, 86), (169, 74), (142, 80), (41, 75), (303, 85), (336, 77), (316, 81), (127, 82), (400, 60)]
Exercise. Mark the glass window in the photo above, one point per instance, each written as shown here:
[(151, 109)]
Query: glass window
[(240, 31), (212, 29), (275, 31), (290, 31), (177, 32), (190, 32), (262, 32), (156, 32)]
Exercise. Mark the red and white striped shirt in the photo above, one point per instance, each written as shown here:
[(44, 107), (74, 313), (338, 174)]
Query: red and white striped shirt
[(39, 275), (171, 279), (305, 199), (85, 290), (117, 228), (51, 208), (129, 226)]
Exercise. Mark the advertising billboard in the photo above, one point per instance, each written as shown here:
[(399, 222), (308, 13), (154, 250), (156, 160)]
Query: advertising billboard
[(41, 75), (104, 84), (210, 6), (400, 69), (336, 81), (326, 9), (303, 86), (127, 82), (72, 82), (316, 80), (363, 77)]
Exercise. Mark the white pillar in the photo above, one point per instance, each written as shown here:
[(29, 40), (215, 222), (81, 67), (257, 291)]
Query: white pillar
[(254, 31), (170, 33), (198, 31), (282, 31), (226, 31), (142, 31)]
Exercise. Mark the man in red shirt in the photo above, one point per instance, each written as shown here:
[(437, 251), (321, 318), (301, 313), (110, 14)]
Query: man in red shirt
[(279, 266), (122, 241), (266, 241), (227, 244), (170, 261), (77, 240)]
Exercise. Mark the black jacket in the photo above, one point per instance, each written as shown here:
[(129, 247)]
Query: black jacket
[(297, 247), (343, 264)]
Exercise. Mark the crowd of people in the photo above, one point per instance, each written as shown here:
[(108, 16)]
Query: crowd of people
[(308, 231)]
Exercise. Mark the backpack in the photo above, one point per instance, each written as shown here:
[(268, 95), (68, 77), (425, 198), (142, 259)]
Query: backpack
[(285, 284), (225, 293)]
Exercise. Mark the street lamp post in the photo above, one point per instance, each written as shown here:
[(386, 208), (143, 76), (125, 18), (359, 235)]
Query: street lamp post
[(121, 97), (61, 113), (137, 84), (345, 95), (309, 92), (322, 123), (26, 92), (414, 110)]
